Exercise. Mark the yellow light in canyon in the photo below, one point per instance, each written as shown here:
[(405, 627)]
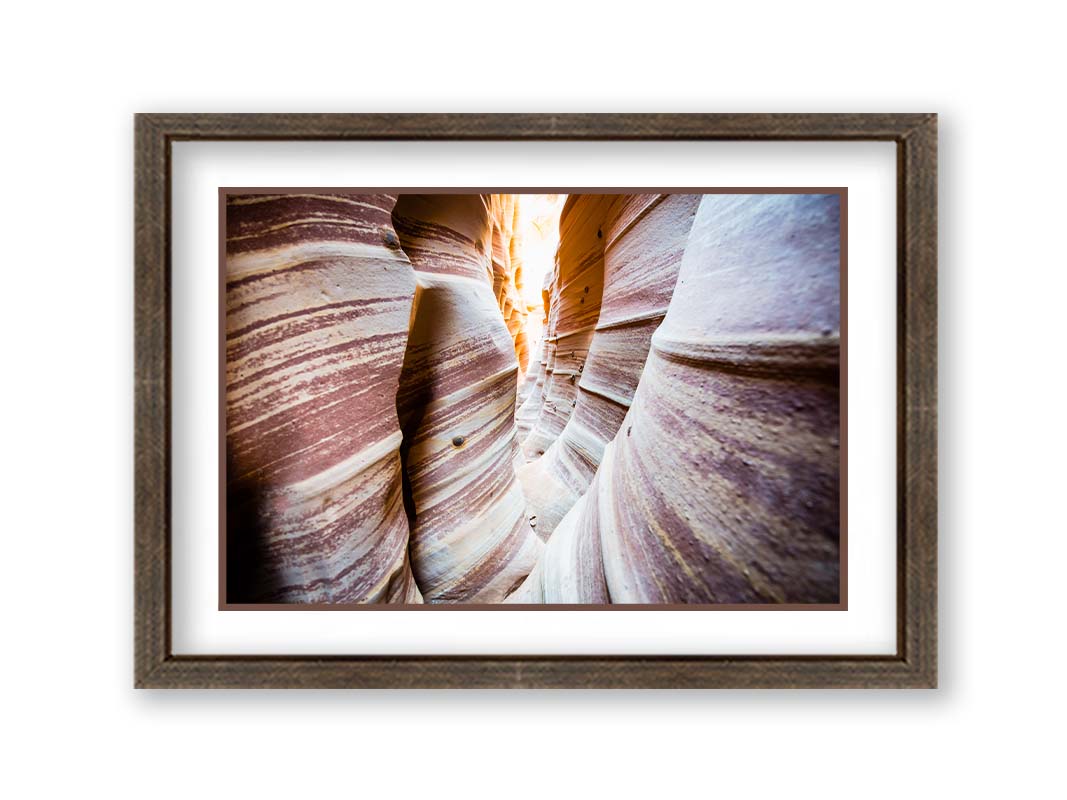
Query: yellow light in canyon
[(539, 227)]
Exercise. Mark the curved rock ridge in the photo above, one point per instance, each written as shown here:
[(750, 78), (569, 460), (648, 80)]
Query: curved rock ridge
[(645, 237), (529, 396), (522, 329), (577, 287), (318, 295), (470, 541), (507, 272), (530, 407), (526, 387), (742, 506)]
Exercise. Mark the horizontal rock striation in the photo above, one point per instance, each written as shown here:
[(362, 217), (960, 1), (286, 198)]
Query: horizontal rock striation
[(679, 413), (318, 296), (722, 485), (470, 541), (644, 238), (577, 287)]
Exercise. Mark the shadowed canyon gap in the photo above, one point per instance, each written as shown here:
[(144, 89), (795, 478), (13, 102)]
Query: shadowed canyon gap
[(401, 427)]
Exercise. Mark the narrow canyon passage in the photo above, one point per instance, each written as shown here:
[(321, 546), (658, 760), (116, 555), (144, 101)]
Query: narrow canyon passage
[(470, 540), (463, 398)]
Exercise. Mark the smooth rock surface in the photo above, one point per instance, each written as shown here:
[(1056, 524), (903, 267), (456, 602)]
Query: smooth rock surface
[(722, 485), (533, 396), (470, 540), (644, 237), (577, 287), (318, 296)]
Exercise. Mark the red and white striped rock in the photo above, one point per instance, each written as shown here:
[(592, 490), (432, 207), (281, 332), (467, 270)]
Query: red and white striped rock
[(577, 286), (722, 486), (318, 296), (470, 541), (644, 238)]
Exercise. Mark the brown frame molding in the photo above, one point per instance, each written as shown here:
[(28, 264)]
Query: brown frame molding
[(915, 662)]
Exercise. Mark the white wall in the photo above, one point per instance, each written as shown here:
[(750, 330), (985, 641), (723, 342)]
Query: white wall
[(72, 78)]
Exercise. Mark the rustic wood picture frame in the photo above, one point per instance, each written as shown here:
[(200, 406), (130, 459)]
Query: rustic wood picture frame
[(915, 662)]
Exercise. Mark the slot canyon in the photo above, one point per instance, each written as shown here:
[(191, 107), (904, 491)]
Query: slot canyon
[(532, 399)]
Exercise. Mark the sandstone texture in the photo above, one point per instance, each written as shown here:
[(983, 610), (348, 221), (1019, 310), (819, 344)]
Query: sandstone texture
[(722, 484), (643, 239), (577, 287), (655, 421), (470, 541), (532, 393), (318, 297), (507, 273)]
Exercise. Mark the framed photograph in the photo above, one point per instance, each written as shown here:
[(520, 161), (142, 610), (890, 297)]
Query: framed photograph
[(589, 401)]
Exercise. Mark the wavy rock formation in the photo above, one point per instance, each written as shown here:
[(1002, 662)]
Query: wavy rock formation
[(722, 486), (470, 541), (644, 238), (507, 273), (530, 405), (526, 387), (577, 286), (318, 296), (681, 416)]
